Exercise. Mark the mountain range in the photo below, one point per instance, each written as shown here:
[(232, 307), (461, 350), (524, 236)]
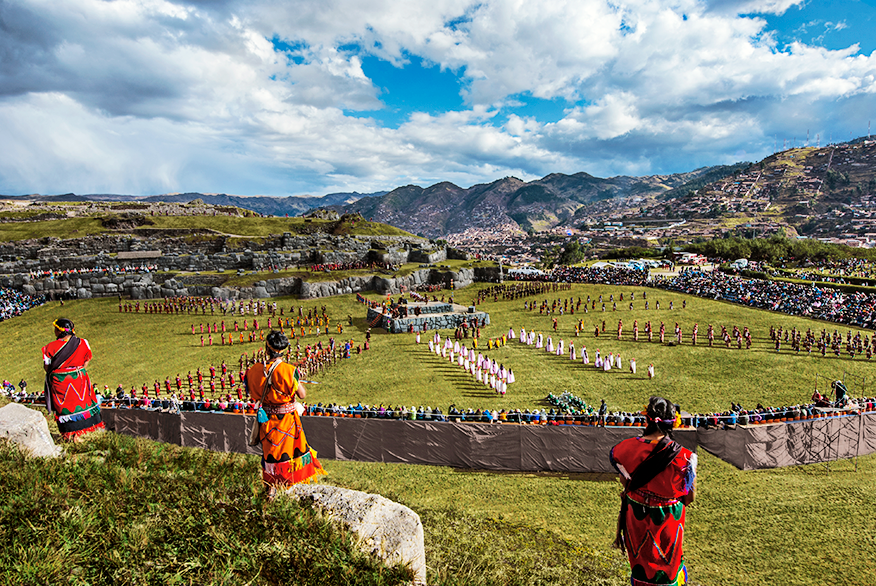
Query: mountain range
[(554, 200), (819, 191), (265, 205)]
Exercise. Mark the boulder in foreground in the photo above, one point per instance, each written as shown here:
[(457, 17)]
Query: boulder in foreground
[(27, 429), (391, 531)]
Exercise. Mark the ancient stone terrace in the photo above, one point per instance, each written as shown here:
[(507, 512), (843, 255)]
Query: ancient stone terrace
[(418, 317)]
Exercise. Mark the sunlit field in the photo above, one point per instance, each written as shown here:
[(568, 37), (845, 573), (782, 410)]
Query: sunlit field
[(801, 525)]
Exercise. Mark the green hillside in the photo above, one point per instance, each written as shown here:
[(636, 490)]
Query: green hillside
[(131, 222), (120, 510)]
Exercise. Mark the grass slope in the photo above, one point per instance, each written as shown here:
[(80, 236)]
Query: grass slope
[(798, 525), (121, 510), (244, 227)]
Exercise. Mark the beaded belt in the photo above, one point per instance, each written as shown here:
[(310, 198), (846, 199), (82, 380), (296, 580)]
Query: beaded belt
[(650, 499), (279, 409)]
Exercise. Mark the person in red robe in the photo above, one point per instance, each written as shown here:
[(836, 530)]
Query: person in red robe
[(69, 392), (659, 480)]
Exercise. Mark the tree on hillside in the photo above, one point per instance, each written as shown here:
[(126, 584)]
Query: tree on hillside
[(573, 253), (777, 248), (549, 257)]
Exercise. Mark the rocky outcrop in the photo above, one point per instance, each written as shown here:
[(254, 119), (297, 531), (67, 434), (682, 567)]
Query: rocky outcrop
[(385, 528), (211, 252), (154, 286), (27, 429)]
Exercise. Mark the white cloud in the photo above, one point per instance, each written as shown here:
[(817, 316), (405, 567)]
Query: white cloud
[(734, 7), (150, 95)]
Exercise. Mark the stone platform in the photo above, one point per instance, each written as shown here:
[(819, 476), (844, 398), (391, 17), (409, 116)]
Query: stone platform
[(426, 316)]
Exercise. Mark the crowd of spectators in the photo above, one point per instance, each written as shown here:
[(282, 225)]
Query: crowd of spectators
[(606, 275), (856, 309), (571, 409), (86, 272), (566, 410), (849, 267), (13, 303)]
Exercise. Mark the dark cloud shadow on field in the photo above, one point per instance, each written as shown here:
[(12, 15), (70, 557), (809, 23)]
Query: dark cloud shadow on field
[(582, 476)]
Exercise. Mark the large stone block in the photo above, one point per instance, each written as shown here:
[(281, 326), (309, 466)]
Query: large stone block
[(27, 429), (385, 528)]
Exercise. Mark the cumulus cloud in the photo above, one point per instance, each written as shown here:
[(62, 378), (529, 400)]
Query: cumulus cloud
[(753, 6), (144, 96)]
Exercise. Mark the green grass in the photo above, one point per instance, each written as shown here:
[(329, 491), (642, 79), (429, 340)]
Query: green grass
[(796, 526), (245, 228), (19, 215), (64, 229), (134, 348), (261, 227), (121, 510)]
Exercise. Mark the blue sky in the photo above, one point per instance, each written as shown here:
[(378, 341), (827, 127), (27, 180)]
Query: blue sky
[(313, 97)]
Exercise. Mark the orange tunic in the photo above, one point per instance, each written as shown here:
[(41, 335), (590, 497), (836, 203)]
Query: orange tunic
[(286, 456)]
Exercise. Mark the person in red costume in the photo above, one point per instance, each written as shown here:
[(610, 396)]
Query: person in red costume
[(659, 481), (69, 392)]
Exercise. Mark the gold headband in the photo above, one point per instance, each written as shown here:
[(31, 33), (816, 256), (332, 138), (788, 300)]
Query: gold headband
[(60, 329)]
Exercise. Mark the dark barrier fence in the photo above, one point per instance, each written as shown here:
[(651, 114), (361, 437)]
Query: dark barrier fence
[(793, 443), (508, 447)]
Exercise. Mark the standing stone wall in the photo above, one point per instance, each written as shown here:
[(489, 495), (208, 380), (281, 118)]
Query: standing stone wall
[(156, 286)]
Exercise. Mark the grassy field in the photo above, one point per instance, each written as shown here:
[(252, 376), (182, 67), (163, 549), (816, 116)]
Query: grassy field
[(796, 526), (227, 225), (131, 349), (68, 228), (264, 226)]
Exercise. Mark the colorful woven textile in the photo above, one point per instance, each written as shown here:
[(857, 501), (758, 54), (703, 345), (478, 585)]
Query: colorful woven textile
[(655, 514), (286, 456), (71, 395)]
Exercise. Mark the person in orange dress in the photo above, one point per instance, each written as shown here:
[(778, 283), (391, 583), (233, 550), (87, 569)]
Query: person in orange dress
[(286, 457)]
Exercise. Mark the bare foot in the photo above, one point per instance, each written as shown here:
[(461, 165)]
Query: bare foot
[(272, 493)]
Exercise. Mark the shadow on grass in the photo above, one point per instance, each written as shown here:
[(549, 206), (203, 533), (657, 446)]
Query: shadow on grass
[(577, 476)]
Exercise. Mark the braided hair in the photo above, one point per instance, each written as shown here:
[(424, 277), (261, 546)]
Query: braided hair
[(660, 416), (63, 327)]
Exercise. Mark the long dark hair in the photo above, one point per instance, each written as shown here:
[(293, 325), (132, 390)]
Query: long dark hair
[(660, 416)]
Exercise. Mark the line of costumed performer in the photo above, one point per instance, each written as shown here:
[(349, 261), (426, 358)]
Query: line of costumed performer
[(286, 457), (69, 394), (659, 480)]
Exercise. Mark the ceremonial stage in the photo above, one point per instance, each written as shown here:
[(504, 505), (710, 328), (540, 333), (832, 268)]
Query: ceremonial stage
[(422, 316)]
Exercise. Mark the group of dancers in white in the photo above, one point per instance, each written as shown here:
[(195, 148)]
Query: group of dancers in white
[(605, 363), (484, 369)]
